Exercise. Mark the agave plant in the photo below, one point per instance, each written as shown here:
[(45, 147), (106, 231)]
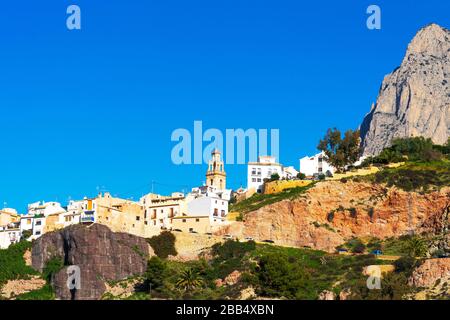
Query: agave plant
[(189, 280)]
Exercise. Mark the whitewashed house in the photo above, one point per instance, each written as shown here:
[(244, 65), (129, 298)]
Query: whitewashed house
[(264, 169), (9, 235), (80, 211), (315, 165), (208, 201), (35, 219)]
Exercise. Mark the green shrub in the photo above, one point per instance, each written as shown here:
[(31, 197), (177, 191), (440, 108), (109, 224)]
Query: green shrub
[(280, 277), (405, 264), (156, 273), (330, 216), (353, 212), (163, 244), (301, 176), (52, 266), (371, 212), (229, 256), (12, 263)]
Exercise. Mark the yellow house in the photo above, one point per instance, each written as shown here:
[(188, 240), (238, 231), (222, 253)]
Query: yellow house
[(8, 216), (198, 224)]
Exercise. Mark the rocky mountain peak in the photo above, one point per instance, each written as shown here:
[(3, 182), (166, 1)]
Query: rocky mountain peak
[(414, 100), (432, 40)]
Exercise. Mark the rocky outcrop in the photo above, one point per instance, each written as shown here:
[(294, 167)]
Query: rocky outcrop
[(428, 274), (414, 100), (101, 255), (332, 212)]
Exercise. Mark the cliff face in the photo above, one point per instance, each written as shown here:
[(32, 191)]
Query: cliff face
[(101, 255), (414, 100), (332, 212)]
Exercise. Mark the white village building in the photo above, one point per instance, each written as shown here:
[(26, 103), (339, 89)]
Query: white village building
[(35, 219), (264, 169), (315, 165), (9, 235)]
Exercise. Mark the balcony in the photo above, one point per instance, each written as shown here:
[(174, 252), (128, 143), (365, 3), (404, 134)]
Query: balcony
[(88, 219)]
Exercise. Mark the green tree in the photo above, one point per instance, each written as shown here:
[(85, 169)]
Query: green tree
[(301, 176), (341, 152), (156, 272), (416, 247), (189, 280), (275, 177), (163, 244), (280, 277)]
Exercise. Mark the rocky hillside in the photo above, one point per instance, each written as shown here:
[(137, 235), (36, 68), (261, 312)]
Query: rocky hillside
[(101, 255), (414, 100), (333, 211)]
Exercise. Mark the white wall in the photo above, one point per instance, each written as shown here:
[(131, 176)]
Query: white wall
[(8, 237), (208, 206), (256, 173), (312, 165)]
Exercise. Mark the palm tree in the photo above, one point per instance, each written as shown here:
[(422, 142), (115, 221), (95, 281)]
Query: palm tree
[(189, 280), (416, 247)]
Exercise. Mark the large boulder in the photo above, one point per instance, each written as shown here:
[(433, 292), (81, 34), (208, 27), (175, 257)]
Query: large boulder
[(101, 255)]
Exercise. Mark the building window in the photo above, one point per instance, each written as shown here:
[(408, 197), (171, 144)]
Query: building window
[(253, 179), (184, 220), (223, 213), (197, 220), (259, 179), (171, 213), (138, 218), (38, 223), (145, 222), (38, 233), (216, 212)]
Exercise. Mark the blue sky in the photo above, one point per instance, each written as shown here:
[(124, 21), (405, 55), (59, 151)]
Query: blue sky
[(96, 107)]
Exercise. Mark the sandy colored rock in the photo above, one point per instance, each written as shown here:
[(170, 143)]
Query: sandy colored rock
[(344, 294), (432, 270), (327, 295), (123, 289), (233, 278), (27, 257), (247, 293), (414, 100), (16, 287)]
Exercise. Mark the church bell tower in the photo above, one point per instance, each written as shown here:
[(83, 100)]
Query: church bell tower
[(216, 176)]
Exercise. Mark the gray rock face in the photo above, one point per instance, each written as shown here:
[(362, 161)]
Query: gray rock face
[(414, 100), (101, 255)]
